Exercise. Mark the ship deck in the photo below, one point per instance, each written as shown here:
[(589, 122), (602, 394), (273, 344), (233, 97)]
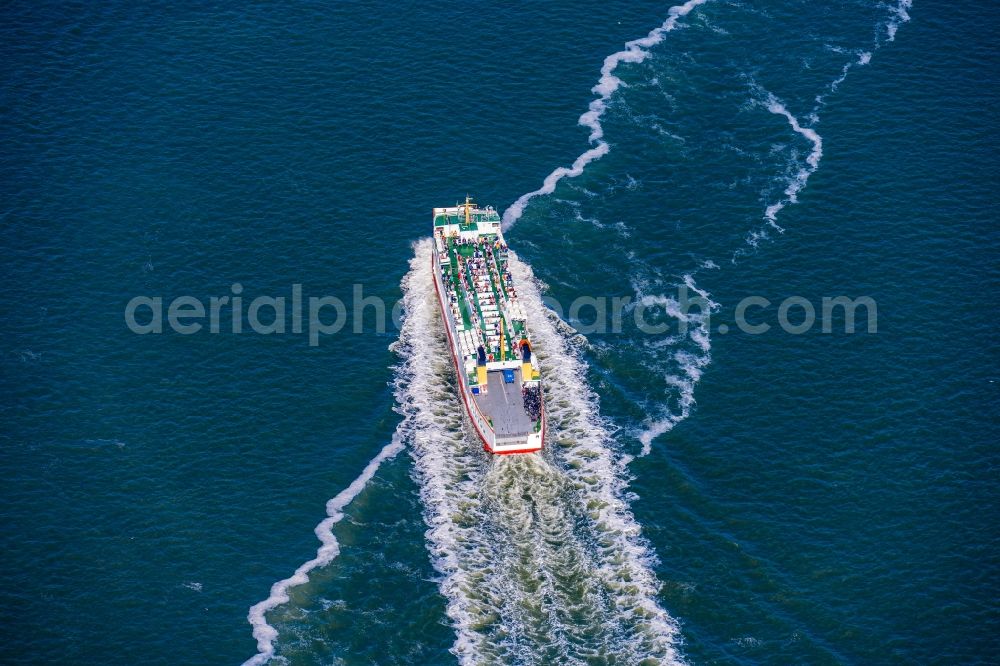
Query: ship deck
[(504, 405), (482, 297)]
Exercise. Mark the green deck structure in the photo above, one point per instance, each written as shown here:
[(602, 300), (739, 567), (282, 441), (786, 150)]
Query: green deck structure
[(463, 304), (512, 330), (475, 299), (500, 271)]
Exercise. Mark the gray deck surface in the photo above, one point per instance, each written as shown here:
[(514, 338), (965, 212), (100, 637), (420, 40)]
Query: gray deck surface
[(504, 404)]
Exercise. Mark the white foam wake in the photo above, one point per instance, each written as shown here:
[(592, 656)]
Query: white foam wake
[(539, 557), (448, 468), (635, 51), (330, 549), (899, 16), (800, 177), (863, 58), (683, 368), (799, 180), (582, 442)]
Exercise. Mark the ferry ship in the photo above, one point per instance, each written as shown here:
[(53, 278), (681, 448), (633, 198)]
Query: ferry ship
[(498, 376)]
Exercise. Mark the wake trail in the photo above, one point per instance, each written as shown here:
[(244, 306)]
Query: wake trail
[(328, 551), (635, 51), (539, 556), (801, 178), (690, 353), (689, 364), (798, 180)]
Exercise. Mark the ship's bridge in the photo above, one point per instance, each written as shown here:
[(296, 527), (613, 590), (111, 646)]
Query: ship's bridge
[(467, 221)]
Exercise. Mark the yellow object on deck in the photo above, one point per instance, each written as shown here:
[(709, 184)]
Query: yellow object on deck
[(481, 375), (526, 372)]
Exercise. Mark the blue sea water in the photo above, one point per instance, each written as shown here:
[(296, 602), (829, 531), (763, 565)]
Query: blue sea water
[(707, 496)]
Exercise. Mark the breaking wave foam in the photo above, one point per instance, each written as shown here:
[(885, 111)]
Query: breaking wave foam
[(635, 51)]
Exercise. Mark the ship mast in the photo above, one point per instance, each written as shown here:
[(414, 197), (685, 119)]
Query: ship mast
[(468, 210)]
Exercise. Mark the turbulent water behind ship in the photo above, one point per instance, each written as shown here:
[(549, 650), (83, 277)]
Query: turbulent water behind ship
[(541, 560)]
